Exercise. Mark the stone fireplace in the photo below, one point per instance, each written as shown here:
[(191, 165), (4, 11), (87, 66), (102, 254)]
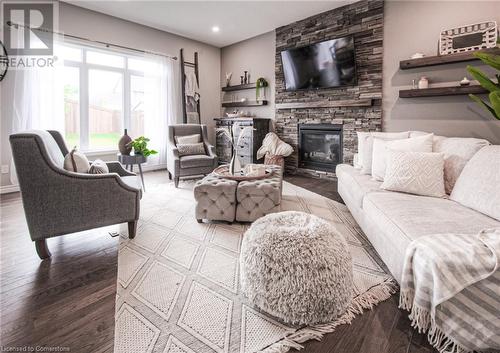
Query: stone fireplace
[(320, 146), (349, 109)]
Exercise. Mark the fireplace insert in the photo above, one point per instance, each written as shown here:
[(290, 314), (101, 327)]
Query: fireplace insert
[(320, 146)]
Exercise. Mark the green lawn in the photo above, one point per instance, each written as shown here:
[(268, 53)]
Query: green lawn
[(96, 140)]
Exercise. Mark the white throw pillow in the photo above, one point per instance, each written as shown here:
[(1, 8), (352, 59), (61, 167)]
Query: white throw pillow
[(381, 147), (478, 186), (76, 162), (188, 139), (419, 173), (457, 152), (365, 146)]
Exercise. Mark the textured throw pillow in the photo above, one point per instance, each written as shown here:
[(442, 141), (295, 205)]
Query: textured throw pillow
[(457, 152), (367, 145), (76, 162), (191, 149), (98, 167), (381, 147), (418, 173), (188, 139), (478, 186)]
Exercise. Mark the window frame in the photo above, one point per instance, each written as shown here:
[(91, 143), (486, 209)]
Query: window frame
[(83, 69)]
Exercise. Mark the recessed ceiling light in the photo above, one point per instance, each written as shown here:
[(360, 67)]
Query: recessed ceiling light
[(215, 29)]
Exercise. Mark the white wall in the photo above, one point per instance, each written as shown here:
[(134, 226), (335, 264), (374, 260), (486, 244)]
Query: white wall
[(85, 23), (255, 55), (414, 26)]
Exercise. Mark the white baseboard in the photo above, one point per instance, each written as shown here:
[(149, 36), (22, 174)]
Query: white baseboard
[(7, 189)]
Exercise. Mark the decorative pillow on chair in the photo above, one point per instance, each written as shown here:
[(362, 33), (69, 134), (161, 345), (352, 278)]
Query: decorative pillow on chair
[(381, 147), (190, 149), (76, 162), (188, 139), (98, 167), (418, 173)]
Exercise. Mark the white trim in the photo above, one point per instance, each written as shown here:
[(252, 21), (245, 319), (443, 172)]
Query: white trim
[(7, 189)]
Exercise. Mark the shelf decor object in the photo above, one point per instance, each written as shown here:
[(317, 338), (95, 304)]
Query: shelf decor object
[(492, 87), (468, 38), (442, 91)]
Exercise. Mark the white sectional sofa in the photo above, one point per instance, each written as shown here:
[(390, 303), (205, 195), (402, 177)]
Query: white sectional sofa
[(392, 220)]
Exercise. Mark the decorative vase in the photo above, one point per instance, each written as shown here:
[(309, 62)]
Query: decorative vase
[(423, 83), (123, 144)]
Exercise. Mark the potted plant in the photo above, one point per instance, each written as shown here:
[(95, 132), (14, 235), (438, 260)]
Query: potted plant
[(493, 87), (140, 146)]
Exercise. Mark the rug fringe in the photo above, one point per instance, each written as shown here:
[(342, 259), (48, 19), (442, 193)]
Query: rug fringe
[(364, 301), (422, 320)]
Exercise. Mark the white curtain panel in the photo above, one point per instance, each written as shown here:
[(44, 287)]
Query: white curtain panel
[(38, 100), (162, 99)]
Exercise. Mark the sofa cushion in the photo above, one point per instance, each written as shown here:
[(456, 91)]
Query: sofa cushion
[(381, 148), (403, 218), (358, 184), (457, 152), (196, 161), (478, 186), (419, 173), (364, 144)]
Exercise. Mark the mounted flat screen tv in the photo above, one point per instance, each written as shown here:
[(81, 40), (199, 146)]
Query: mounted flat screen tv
[(327, 64)]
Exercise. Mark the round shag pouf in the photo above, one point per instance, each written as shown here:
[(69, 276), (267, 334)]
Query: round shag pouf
[(296, 267)]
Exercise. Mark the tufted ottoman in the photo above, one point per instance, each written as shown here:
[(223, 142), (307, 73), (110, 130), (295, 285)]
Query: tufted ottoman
[(297, 267), (215, 199), (256, 198)]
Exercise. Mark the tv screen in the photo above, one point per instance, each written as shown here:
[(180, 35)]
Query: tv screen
[(322, 65)]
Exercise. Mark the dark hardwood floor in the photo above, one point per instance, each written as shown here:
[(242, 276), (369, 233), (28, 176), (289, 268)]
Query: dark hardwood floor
[(69, 301)]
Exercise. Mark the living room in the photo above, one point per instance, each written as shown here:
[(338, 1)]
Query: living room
[(250, 176)]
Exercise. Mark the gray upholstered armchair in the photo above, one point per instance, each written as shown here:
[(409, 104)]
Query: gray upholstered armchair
[(182, 166), (58, 202)]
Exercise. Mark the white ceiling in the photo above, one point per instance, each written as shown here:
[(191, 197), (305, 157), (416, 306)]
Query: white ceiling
[(237, 20)]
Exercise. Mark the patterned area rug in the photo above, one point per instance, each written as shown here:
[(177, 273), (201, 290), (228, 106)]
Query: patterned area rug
[(178, 280)]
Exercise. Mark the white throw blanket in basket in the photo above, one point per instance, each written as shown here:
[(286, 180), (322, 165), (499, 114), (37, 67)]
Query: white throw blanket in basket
[(451, 286)]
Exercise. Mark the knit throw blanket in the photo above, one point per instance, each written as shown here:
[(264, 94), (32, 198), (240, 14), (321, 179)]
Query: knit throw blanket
[(451, 286)]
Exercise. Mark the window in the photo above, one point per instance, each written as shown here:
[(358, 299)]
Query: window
[(103, 94)]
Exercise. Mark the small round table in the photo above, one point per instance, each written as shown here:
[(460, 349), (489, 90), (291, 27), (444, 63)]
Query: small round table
[(130, 160)]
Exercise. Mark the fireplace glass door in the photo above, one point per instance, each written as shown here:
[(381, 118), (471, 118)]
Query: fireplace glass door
[(320, 146)]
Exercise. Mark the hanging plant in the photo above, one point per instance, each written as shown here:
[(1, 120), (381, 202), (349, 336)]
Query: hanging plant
[(261, 83)]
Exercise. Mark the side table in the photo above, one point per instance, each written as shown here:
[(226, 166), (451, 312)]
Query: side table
[(130, 160)]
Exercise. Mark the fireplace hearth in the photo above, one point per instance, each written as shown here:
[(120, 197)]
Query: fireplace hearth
[(320, 146)]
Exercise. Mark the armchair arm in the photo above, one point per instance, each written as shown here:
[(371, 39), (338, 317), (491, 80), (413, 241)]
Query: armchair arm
[(173, 162), (210, 149), (117, 167)]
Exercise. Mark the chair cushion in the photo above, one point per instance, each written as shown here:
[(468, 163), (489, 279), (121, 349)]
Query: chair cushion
[(132, 181), (196, 161), (478, 187), (190, 149), (358, 184), (50, 145), (187, 139)]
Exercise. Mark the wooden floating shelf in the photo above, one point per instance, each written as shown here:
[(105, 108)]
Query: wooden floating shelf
[(239, 87), (326, 104), (244, 104), (442, 91), (443, 59)]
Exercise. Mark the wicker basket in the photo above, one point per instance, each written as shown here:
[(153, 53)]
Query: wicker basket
[(275, 159)]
